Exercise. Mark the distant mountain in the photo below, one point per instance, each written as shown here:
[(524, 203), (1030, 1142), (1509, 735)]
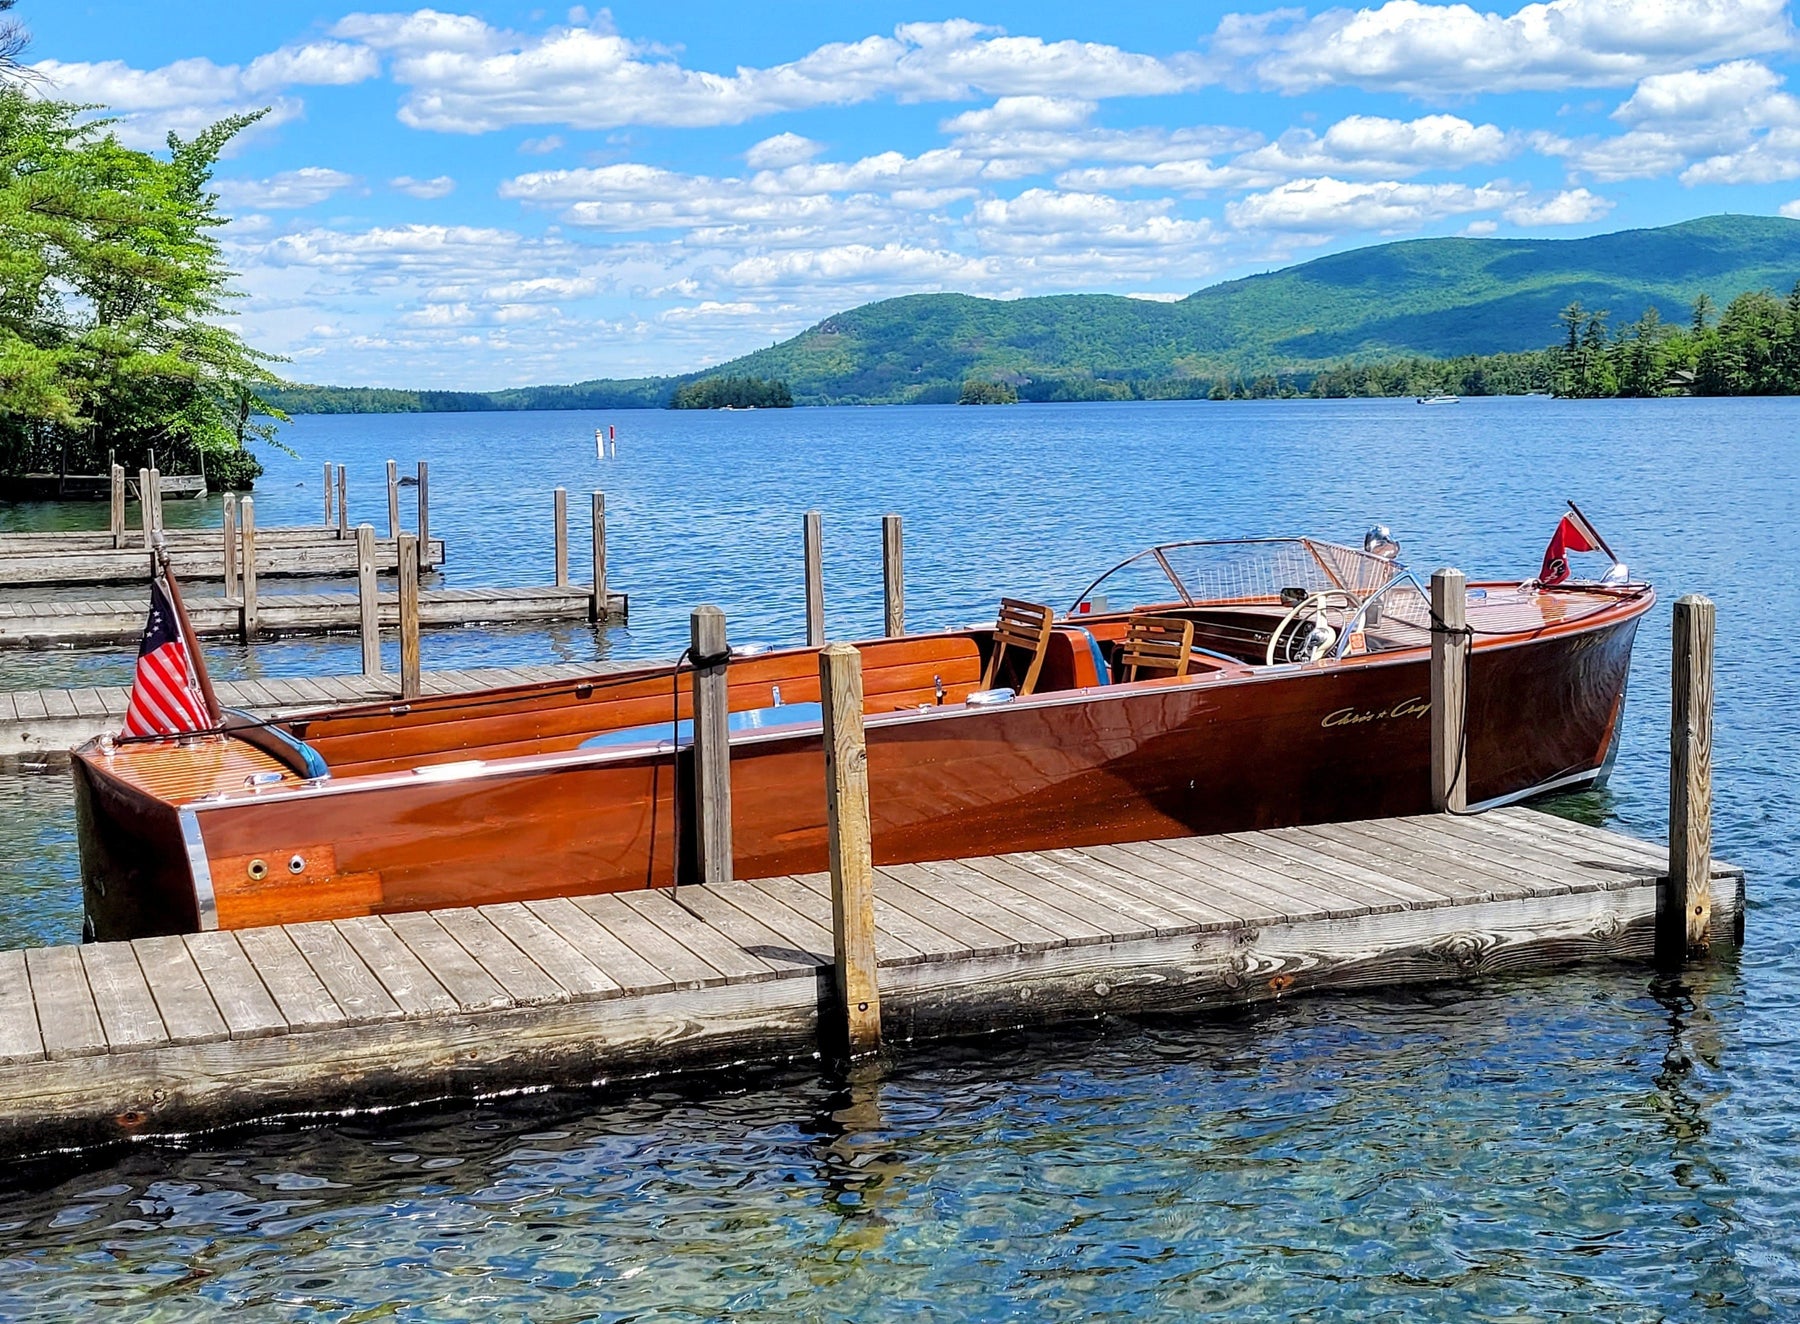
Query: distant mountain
[(1435, 297)]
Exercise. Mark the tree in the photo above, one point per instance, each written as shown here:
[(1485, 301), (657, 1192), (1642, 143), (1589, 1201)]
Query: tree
[(112, 287), (1703, 311)]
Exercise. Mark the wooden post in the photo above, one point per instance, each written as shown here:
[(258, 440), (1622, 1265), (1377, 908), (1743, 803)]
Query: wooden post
[(600, 599), (343, 503), (424, 523), (893, 576), (117, 521), (562, 537), (247, 534), (367, 602), (711, 655), (409, 617), (813, 544), (1684, 918), (393, 499), (229, 529), (1449, 692), (852, 858), (145, 501), (156, 510), (328, 494)]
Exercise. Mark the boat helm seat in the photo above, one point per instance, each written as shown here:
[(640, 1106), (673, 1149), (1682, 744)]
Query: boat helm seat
[(1023, 628), (1156, 643)]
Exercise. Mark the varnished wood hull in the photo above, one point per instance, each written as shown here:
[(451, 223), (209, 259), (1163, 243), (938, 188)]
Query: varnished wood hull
[(1266, 748)]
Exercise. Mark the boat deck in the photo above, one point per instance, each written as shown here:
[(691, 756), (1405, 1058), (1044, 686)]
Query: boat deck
[(38, 722), (171, 1033)]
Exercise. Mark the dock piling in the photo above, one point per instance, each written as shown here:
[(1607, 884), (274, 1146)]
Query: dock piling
[(893, 577), (156, 509), (116, 522), (343, 502), (393, 477), (229, 530), (851, 856), (409, 615), (424, 521), (711, 655), (600, 599), (1449, 691), (144, 503), (328, 494), (367, 601), (1684, 919), (813, 547), (562, 537), (247, 536)]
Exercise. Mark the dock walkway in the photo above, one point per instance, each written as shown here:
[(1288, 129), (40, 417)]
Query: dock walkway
[(96, 622), (171, 1033), (70, 559), (37, 722)]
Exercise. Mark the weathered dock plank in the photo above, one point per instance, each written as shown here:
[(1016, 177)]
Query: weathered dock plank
[(36, 722), (314, 557), (121, 620), (457, 1002)]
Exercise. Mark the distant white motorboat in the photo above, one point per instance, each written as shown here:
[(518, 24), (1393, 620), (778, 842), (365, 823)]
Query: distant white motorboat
[(1439, 400)]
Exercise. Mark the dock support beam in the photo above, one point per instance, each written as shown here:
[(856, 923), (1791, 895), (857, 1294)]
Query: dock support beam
[(247, 535), (409, 614), (1684, 916), (117, 521), (813, 546), (343, 509), (893, 577), (562, 537), (711, 656), (852, 858), (393, 477), (1449, 691), (600, 599), (367, 602), (229, 530), (424, 523)]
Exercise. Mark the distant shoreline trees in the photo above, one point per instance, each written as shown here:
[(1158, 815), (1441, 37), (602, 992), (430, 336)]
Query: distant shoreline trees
[(1752, 349), (732, 393)]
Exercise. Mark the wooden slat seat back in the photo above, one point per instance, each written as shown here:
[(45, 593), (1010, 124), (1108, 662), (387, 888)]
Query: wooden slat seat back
[(1161, 644), (1022, 628)]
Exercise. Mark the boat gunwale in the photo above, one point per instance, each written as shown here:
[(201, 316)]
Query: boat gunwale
[(1627, 607)]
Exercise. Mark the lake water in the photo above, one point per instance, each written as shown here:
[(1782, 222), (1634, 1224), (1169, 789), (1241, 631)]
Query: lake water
[(1603, 1144)]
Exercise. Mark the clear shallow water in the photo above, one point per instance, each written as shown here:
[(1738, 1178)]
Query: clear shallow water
[(1552, 1148)]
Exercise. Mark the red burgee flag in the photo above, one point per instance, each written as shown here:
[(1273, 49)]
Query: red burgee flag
[(165, 697), (1573, 534)]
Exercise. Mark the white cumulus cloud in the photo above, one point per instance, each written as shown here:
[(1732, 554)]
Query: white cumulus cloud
[(289, 189), (1328, 205), (441, 186)]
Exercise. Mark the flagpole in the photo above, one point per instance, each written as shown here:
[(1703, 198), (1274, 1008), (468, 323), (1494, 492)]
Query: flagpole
[(214, 713), (1595, 531)]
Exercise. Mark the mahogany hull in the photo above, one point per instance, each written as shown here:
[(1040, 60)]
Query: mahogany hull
[(1270, 748)]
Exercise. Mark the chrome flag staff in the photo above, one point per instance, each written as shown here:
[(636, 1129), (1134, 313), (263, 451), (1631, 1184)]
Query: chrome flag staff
[(171, 694)]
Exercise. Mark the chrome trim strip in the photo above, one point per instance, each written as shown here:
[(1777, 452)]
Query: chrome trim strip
[(199, 869), (1542, 788)]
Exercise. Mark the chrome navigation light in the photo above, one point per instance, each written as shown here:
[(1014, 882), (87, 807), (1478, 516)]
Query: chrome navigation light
[(1379, 541)]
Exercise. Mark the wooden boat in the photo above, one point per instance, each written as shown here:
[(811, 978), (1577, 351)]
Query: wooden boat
[(1254, 684)]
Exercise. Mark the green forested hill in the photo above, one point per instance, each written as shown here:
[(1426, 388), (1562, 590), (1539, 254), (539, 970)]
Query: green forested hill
[(1437, 297), (1432, 297)]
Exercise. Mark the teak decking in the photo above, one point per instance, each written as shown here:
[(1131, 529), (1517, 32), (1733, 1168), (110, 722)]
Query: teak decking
[(172, 1033)]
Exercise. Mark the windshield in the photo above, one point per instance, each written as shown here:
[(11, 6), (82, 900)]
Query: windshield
[(1240, 570)]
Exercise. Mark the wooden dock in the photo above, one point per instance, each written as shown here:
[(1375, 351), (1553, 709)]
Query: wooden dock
[(279, 552), (167, 1034), (35, 723), (121, 620)]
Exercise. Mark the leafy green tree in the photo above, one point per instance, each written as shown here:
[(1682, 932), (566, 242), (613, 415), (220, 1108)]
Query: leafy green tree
[(112, 287)]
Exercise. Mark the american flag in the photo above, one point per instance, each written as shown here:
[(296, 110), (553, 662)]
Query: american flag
[(165, 699)]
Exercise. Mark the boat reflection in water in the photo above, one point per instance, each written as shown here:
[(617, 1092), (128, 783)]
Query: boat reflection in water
[(1253, 683)]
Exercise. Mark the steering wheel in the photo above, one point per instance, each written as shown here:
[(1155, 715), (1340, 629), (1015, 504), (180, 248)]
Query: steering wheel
[(1318, 601)]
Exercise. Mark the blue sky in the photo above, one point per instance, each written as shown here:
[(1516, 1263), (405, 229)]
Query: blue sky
[(500, 194)]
